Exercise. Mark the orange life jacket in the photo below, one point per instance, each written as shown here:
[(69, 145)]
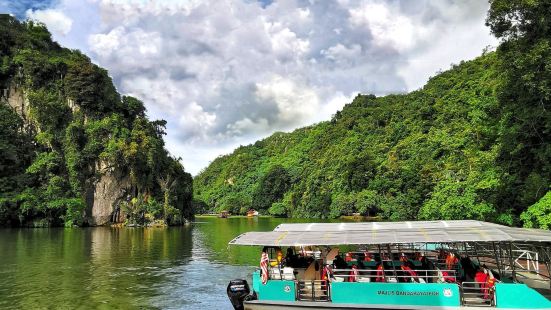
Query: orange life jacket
[(451, 261), (490, 282)]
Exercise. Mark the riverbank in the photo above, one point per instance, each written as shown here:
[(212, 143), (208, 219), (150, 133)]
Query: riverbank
[(357, 218), (211, 215)]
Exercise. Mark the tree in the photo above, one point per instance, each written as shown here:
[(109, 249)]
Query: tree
[(271, 188), (524, 28), (538, 215), (166, 183), (90, 86)]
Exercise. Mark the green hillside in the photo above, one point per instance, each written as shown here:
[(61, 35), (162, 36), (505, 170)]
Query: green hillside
[(72, 150), (473, 143)]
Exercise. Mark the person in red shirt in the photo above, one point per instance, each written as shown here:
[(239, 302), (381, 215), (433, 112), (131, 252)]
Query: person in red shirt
[(481, 277)]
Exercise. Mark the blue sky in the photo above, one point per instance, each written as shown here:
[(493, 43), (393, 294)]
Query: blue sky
[(226, 73), (20, 7)]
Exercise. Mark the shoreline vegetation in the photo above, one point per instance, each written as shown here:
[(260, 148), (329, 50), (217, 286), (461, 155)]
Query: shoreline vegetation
[(343, 217)]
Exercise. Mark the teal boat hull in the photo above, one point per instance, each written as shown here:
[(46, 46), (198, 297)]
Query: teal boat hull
[(374, 295), (274, 305)]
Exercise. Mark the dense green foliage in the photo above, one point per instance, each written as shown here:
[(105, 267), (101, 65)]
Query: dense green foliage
[(473, 143), (525, 97), (427, 154), (538, 215), (76, 128)]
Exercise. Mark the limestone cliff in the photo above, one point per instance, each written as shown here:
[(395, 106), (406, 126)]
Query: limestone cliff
[(104, 192), (73, 151)]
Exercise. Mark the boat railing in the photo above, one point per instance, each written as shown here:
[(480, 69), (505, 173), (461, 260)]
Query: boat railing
[(390, 275), (313, 290), (529, 265), (477, 294)]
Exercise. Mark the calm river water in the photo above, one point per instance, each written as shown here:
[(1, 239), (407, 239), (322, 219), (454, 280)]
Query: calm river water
[(125, 268)]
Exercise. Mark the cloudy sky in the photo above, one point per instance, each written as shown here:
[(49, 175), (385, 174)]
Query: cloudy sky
[(225, 73)]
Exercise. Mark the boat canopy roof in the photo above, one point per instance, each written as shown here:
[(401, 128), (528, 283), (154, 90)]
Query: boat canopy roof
[(364, 226), (390, 233)]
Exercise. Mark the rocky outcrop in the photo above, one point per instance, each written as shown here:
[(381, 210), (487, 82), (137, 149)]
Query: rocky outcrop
[(105, 197), (16, 99)]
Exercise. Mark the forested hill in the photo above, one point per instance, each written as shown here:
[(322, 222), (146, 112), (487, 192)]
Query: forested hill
[(72, 150), (473, 143)]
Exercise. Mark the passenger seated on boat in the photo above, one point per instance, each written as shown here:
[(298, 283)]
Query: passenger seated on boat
[(354, 274), (367, 257), (327, 273), (291, 258), (425, 266), (359, 262), (446, 276), (408, 274), (380, 275), (467, 269), (481, 278), (451, 261), (441, 255), (339, 263), (277, 261), (485, 280)]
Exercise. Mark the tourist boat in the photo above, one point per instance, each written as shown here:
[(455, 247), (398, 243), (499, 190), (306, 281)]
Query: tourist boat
[(224, 214), (252, 213), (397, 265)]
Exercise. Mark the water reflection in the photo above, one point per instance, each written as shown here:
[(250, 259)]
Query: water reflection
[(174, 268)]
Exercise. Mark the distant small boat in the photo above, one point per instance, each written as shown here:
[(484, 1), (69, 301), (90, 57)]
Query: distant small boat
[(224, 214), (252, 213)]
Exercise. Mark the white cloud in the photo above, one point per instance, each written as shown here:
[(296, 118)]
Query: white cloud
[(247, 125), (341, 53), (55, 20), (105, 44), (285, 43), (125, 43), (336, 103), (194, 119), (295, 103), (387, 26)]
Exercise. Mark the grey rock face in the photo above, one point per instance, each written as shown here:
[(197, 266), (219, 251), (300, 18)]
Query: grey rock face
[(15, 98), (108, 192)]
